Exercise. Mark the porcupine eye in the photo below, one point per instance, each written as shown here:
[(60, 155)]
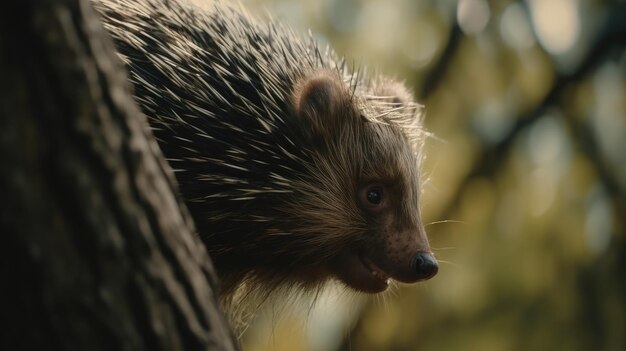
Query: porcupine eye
[(374, 196)]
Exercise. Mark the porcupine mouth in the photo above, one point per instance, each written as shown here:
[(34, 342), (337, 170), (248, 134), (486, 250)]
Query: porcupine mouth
[(360, 273), (375, 271)]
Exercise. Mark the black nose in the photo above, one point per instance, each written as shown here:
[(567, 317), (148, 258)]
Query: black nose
[(425, 265)]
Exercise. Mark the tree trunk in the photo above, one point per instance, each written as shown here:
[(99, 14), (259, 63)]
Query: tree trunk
[(97, 252)]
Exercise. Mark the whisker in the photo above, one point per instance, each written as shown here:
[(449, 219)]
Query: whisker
[(389, 295), (443, 248), (446, 221), (377, 301), (384, 303)]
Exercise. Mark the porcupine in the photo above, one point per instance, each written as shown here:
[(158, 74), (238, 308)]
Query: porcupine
[(295, 169)]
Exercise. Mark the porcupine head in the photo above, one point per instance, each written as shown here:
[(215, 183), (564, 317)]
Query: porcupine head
[(353, 213)]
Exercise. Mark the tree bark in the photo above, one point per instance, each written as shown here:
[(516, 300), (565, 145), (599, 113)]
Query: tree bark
[(97, 252)]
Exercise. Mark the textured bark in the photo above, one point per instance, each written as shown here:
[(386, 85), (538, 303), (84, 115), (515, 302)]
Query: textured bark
[(96, 252)]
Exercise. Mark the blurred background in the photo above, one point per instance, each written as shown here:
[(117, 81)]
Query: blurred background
[(526, 198)]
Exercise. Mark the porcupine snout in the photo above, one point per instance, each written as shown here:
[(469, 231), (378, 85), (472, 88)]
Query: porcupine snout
[(424, 265)]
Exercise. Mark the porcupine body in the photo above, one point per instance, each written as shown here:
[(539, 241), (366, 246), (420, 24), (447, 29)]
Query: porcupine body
[(295, 170)]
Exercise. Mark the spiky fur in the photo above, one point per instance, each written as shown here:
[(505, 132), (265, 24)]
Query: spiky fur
[(217, 87)]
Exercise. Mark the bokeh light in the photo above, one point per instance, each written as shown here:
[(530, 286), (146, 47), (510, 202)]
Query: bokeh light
[(472, 15), (556, 23)]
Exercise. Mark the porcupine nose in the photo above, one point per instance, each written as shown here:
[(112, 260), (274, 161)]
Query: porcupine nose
[(425, 265)]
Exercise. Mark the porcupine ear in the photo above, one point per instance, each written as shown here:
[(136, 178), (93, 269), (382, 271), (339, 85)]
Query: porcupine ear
[(396, 93), (321, 99)]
